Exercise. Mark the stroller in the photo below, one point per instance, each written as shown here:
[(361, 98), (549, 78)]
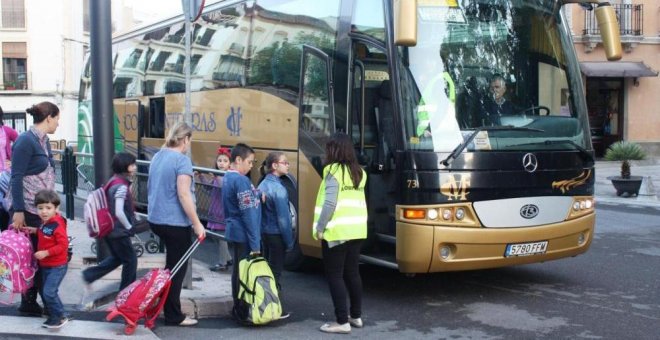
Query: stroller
[(145, 298)]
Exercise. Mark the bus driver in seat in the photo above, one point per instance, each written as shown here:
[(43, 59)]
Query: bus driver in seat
[(497, 105)]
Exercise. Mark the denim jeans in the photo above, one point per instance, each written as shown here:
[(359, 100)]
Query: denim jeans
[(121, 253), (343, 275), (52, 278)]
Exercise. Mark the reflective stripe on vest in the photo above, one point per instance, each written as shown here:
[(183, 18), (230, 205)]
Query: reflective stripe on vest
[(349, 221), (423, 109)]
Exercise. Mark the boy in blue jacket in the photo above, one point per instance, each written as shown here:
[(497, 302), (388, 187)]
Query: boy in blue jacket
[(242, 210)]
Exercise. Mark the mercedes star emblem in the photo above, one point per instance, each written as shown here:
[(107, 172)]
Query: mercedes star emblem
[(530, 163)]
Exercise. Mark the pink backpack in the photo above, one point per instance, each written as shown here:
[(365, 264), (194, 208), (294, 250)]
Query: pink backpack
[(98, 218), (17, 265)]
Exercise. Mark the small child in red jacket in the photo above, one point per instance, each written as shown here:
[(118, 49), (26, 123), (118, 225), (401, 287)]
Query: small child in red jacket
[(52, 254)]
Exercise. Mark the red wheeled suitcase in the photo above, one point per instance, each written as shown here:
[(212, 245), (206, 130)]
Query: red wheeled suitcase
[(144, 298)]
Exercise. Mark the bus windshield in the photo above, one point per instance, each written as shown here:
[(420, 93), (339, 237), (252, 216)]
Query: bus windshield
[(491, 63)]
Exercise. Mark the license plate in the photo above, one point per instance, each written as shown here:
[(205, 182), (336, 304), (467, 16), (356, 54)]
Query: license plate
[(522, 249)]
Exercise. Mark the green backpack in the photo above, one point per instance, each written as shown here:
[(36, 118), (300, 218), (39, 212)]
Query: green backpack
[(258, 299)]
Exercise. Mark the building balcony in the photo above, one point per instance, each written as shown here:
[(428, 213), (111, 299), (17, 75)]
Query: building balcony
[(631, 23)]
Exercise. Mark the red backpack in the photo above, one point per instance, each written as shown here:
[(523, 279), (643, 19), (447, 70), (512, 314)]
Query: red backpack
[(98, 217)]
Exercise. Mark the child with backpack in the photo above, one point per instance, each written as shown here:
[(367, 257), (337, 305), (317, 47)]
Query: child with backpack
[(52, 254), (216, 213), (276, 229), (242, 206), (121, 207)]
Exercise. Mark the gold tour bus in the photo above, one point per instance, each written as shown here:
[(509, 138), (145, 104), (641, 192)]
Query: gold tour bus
[(459, 177)]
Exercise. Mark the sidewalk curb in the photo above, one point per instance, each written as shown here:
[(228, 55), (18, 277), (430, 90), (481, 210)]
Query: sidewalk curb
[(207, 308), (650, 203)]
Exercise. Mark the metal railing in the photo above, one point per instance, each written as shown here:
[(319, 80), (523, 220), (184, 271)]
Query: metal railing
[(630, 17), (75, 172)]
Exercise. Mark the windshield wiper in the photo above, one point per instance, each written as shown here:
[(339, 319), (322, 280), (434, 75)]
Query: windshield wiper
[(584, 152), (460, 147)]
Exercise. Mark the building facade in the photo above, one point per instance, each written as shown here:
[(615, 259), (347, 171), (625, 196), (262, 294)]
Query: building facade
[(43, 43), (623, 97)]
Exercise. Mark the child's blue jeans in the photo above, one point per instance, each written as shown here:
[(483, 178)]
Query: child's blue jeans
[(52, 278)]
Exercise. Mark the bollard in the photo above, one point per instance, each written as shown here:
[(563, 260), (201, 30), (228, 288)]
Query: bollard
[(647, 188), (69, 180)]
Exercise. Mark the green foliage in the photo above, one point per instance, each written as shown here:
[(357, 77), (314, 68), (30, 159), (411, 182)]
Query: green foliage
[(624, 151), (279, 64)]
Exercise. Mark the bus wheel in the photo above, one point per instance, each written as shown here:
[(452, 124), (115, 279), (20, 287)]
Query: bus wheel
[(295, 260)]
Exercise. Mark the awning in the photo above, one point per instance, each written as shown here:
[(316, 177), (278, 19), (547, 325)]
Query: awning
[(617, 69)]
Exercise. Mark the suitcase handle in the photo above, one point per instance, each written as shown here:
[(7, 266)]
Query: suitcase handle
[(185, 257)]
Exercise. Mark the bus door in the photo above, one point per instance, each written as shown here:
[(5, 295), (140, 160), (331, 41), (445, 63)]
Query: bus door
[(317, 119), (372, 130), (317, 124)]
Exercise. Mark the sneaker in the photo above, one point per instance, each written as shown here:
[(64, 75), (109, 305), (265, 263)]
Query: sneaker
[(284, 315), (218, 268), (333, 327), (357, 322), (188, 322), (88, 306), (54, 324), (31, 309)]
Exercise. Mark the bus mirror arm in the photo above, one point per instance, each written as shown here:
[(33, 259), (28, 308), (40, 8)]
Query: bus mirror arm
[(607, 24)]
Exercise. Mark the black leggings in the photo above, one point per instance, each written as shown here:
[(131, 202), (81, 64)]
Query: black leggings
[(239, 251), (30, 296), (177, 240), (343, 275)]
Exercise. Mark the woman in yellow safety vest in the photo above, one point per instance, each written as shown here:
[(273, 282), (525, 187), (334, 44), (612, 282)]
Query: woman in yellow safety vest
[(340, 221)]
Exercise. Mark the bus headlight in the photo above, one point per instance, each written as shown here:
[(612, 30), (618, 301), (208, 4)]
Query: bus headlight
[(582, 205), (460, 213), (445, 215), (589, 204)]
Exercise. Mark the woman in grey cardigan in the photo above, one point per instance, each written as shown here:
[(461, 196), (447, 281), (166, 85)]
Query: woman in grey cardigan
[(32, 170)]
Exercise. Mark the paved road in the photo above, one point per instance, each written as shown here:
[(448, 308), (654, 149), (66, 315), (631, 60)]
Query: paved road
[(611, 292)]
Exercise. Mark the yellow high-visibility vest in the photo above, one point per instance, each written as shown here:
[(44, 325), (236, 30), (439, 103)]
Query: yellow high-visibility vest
[(349, 221), (423, 119)]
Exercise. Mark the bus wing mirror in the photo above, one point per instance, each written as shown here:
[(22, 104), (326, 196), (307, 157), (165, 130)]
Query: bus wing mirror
[(607, 24), (405, 22), (609, 31)]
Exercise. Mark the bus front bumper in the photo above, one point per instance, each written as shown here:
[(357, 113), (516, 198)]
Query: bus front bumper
[(419, 247)]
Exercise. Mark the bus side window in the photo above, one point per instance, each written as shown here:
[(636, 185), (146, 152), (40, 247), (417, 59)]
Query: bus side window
[(156, 118)]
